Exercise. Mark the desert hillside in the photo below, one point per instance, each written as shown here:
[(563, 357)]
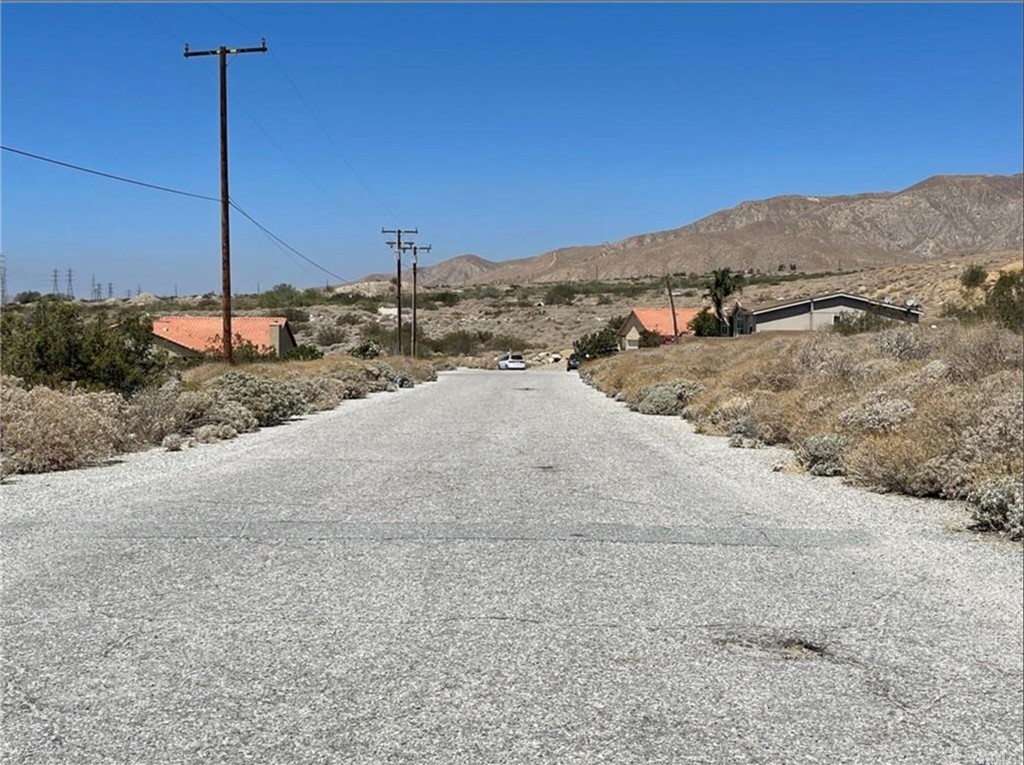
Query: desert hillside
[(943, 215)]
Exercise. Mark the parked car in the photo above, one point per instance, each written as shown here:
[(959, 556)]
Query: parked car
[(573, 362), (512, 361)]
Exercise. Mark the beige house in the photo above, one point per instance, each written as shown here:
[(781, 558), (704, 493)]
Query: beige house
[(813, 313)]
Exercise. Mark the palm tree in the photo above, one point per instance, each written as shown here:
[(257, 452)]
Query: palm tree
[(720, 285)]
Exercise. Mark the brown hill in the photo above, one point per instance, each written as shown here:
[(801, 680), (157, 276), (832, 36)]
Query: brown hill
[(943, 215)]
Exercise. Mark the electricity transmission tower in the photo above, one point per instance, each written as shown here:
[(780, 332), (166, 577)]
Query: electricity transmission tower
[(110, 290), (55, 289), (225, 201), (71, 287), (416, 250), (398, 246), (3, 281)]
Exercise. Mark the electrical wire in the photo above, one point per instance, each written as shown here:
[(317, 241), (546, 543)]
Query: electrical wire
[(267, 232), (111, 176), (274, 237), (309, 108)]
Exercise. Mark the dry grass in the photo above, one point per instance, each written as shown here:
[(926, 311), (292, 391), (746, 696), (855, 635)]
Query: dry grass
[(928, 412)]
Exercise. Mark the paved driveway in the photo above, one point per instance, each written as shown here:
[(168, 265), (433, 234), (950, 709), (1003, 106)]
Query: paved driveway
[(498, 568)]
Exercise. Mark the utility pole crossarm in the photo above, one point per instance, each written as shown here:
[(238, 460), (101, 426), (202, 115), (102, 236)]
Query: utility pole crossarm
[(216, 51)]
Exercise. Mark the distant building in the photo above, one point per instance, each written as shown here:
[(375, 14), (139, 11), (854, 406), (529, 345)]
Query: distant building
[(189, 336), (813, 313), (657, 320)]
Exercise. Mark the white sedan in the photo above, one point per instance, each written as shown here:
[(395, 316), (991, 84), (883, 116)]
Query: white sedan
[(512, 361)]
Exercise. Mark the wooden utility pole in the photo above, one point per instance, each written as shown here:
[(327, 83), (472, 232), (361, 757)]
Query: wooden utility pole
[(416, 250), (672, 305), (399, 248), (225, 201)]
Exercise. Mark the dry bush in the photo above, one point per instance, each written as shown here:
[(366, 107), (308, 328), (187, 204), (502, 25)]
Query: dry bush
[(998, 504), (668, 399), (925, 412), (44, 429)]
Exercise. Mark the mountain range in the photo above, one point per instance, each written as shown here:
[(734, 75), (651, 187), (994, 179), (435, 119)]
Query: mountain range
[(943, 215)]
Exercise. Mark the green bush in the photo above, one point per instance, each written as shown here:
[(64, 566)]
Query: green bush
[(973, 276), (560, 294), (704, 324), (53, 344), (852, 323), (367, 349), (302, 353), (270, 401)]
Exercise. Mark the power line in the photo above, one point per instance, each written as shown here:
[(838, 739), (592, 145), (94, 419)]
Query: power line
[(323, 129), (285, 244), (294, 163), (111, 176), (309, 108)]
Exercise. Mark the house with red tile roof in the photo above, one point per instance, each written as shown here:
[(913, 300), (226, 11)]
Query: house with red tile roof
[(658, 320), (190, 336)]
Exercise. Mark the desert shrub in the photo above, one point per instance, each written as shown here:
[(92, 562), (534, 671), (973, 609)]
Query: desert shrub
[(560, 294), (705, 324), (323, 393), (998, 504), (649, 339), (208, 434), (44, 429), (172, 442), (995, 442), (302, 352), (973, 276), (604, 300), (669, 399), (879, 412), (330, 335), (1005, 301), (903, 344), (824, 455), (776, 374), (368, 349), (857, 322), (980, 350), (732, 415), (891, 462), (270, 401), (828, 357)]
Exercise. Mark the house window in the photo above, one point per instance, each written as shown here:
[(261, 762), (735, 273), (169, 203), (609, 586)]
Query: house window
[(632, 343)]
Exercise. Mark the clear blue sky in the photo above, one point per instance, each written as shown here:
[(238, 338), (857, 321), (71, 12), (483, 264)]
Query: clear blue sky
[(502, 130)]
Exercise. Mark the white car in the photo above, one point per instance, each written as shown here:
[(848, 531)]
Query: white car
[(512, 361)]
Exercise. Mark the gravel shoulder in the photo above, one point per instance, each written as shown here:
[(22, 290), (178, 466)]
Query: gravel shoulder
[(498, 567)]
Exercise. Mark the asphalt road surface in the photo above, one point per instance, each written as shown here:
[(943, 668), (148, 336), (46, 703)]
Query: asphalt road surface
[(499, 567)]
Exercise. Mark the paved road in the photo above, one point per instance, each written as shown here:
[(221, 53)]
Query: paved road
[(498, 568)]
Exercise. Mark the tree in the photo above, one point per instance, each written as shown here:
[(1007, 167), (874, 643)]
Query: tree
[(29, 296), (973, 277), (704, 324), (720, 285)]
